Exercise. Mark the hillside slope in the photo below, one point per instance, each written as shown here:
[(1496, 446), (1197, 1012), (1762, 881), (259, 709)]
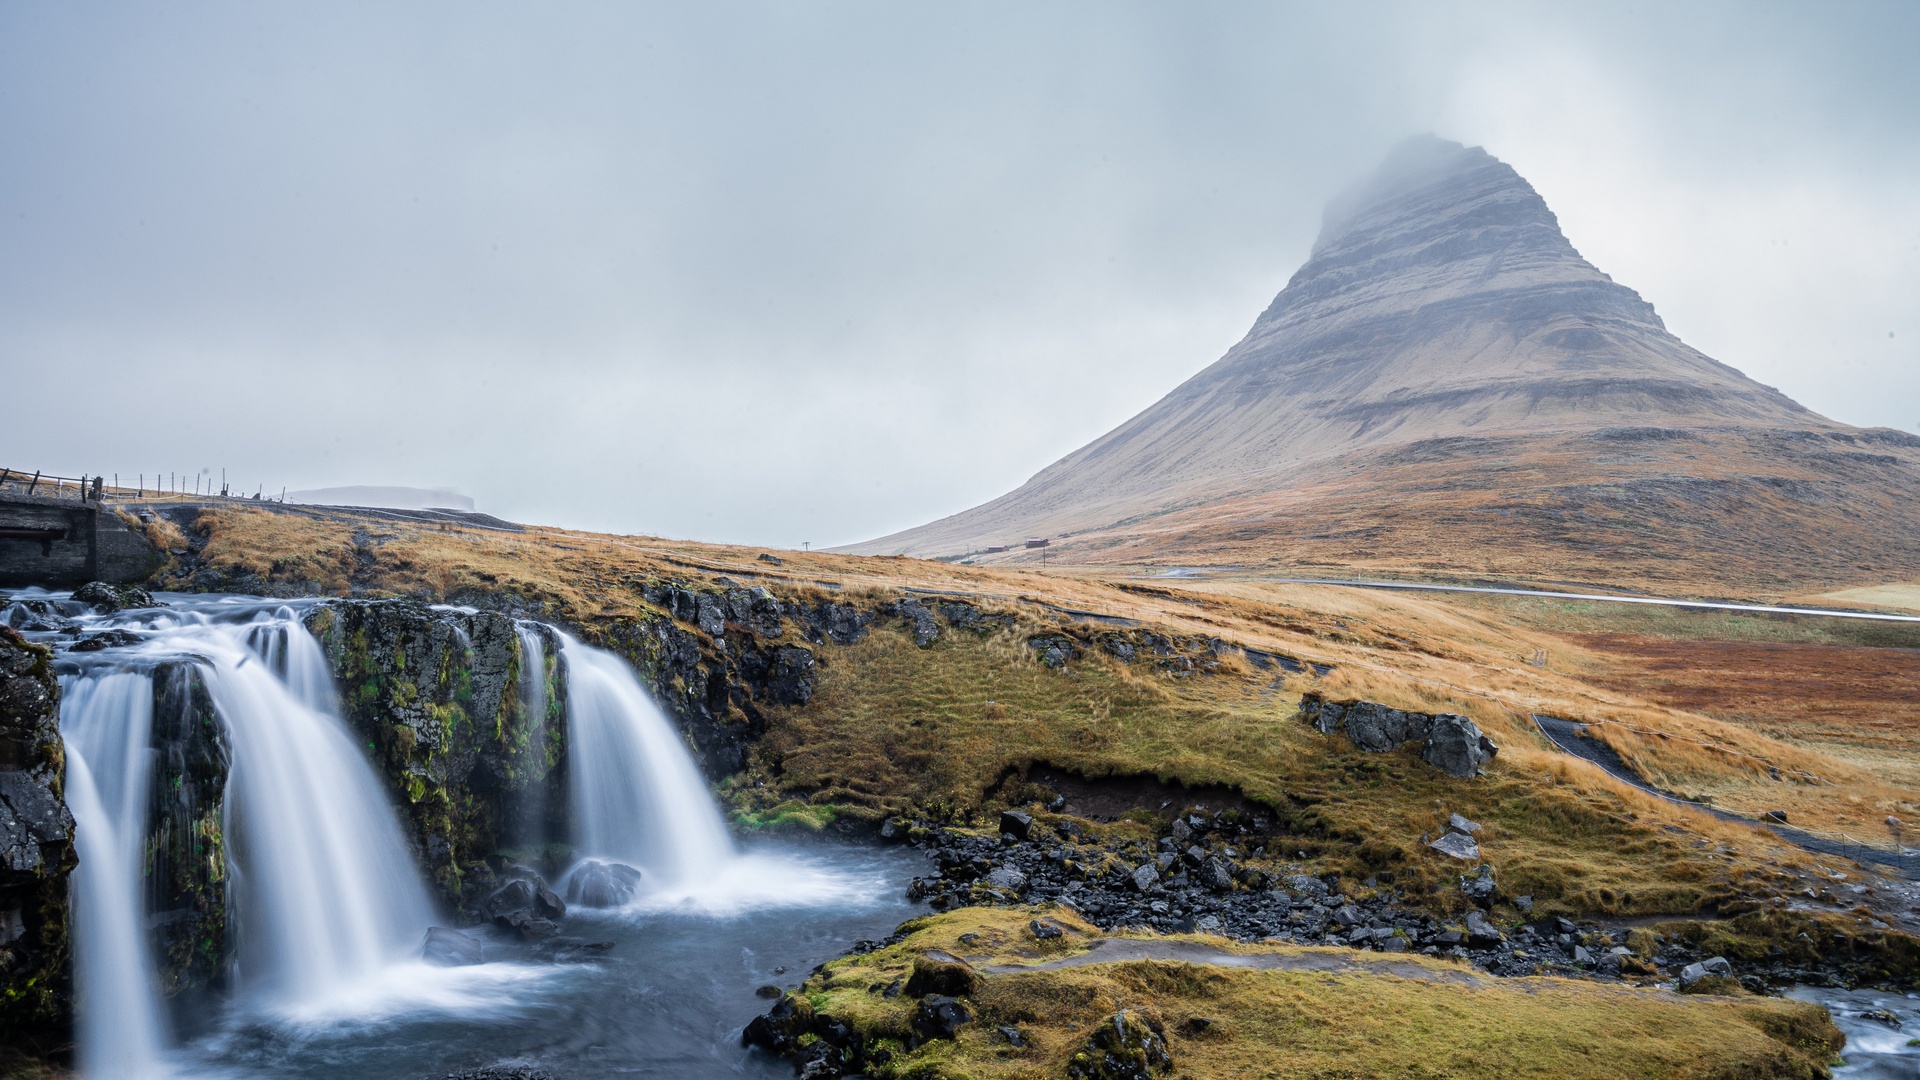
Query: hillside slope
[(1446, 358)]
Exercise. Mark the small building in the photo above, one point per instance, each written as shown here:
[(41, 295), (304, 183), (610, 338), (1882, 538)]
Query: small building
[(994, 549), (1038, 541)]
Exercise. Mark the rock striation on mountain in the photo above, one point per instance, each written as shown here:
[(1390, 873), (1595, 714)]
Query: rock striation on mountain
[(1446, 350)]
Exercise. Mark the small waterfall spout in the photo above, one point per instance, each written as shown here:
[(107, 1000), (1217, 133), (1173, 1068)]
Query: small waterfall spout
[(636, 794), (105, 722), (531, 805)]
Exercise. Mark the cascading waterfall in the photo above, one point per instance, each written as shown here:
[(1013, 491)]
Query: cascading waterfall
[(636, 795), (326, 890), (106, 721), (325, 893)]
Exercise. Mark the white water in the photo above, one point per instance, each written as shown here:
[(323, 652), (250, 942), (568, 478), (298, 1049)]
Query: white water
[(636, 795), (531, 805), (106, 721), (329, 910), (327, 895)]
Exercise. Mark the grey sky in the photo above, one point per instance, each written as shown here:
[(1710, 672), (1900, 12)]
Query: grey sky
[(783, 272)]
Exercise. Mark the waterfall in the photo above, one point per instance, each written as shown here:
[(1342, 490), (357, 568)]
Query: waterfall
[(326, 891), (106, 721), (636, 795), (531, 805)]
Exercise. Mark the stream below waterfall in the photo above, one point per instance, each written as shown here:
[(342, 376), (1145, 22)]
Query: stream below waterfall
[(668, 1000), (330, 910)]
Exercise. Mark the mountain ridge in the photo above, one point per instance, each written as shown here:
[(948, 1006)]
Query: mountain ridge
[(1441, 300)]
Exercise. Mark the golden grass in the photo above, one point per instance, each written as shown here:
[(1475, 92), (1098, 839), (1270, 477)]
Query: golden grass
[(895, 725), (897, 728), (1301, 1023)]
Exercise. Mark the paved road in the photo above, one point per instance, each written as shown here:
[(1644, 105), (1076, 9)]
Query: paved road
[(1714, 605), (1567, 735)]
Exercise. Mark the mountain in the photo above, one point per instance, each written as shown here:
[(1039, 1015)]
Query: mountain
[(1446, 384)]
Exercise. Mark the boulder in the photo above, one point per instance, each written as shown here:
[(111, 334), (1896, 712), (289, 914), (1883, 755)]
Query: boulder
[(1480, 887), (1217, 874), (1458, 846), (1456, 746), (1045, 929), (1379, 729), (779, 1030), (111, 598), (940, 1017), (1349, 915), (450, 948), (1016, 824), (529, 926), (1180, 830), (1482, 934), (597, 884), (1145, 877), (106, 639), (524, 904), (1456, 823), (1123, 1047), (1712, 967)]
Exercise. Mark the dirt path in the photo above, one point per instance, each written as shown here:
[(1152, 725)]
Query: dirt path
[(1121, 950)]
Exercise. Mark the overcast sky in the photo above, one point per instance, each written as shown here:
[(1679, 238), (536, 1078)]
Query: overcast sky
[(789, 272)]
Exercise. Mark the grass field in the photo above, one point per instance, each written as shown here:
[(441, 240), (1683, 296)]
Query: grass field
[(894, 726), (1428, 1019)]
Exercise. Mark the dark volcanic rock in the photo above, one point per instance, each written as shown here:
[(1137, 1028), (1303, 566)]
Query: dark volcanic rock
[(111, 598), (925, 630), (841, 624), (36, 851), (940, 1017), (1457, 747), (438, 695), (1379, 729)]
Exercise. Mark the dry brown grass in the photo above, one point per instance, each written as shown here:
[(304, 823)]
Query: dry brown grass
[(1300, 1023), (925, 729)]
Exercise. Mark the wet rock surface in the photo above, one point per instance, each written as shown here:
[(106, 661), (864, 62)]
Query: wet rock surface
[(36, 849), (437, 695), (598, 884), (107, 598)]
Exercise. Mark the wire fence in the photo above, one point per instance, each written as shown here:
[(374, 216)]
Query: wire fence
[(170, 487)]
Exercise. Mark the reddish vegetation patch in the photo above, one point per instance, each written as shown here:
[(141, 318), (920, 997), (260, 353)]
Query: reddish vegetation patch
[(1851, 692)]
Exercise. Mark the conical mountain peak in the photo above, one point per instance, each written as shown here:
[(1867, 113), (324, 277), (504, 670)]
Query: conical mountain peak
[(1441, 302)]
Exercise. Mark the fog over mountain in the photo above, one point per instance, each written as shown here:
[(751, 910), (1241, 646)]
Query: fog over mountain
[(1443, 319), (783, 273)]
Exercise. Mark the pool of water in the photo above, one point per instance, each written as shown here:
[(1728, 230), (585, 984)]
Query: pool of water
[(668, 999)]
